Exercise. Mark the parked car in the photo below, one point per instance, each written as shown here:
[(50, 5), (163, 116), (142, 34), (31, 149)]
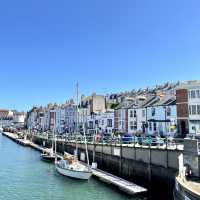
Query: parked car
[(127, 138), (153, 140)]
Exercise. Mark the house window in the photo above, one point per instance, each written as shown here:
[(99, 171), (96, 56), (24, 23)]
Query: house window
[(131, 113), (131, 126), (193, 94), (190, 110), (193, 109), (168, 111), (154, 126), (135, 113), (90, 124), (150, 126), (198, 93), (135, 125), (109, 121), (153, 111), (143, 113), (198, 109)]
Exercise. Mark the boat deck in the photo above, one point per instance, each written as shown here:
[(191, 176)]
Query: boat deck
[(192, 185)]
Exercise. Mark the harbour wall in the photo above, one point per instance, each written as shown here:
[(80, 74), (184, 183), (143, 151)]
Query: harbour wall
[(152, 168)]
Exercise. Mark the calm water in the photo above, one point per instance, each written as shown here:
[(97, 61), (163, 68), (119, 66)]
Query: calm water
[(24, 177)]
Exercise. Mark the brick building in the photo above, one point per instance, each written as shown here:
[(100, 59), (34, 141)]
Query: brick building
[(188, 107)]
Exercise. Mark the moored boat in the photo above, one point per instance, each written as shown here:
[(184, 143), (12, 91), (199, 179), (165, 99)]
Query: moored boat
[(69, 166), (48, 156)]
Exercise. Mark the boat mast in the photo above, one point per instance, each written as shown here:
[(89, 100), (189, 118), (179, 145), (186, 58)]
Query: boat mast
[(77, 116), (86, 147), (54, 139)]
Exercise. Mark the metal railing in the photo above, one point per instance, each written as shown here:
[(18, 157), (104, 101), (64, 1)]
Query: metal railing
[(133, 141)]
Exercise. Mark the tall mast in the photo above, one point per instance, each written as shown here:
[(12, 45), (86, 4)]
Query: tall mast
[(77, 116), (77, 110), (54, 138), (86, 147)]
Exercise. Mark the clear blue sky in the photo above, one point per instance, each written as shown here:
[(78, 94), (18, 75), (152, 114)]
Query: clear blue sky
[(46, 46)]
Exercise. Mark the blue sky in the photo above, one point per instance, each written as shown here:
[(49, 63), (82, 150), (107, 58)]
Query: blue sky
[(46, 46)]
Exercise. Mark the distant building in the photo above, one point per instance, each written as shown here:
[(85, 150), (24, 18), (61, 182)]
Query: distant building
[(5, 113), (6, 117), (97, 103), (19, 118)]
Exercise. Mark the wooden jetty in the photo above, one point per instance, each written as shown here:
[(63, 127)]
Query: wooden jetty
[(124, 185)]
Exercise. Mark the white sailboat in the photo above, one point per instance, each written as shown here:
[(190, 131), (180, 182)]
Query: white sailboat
[(70, 166)]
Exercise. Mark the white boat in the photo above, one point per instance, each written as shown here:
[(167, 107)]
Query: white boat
[(70, 166)]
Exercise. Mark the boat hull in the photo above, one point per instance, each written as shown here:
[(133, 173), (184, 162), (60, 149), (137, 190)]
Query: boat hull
[(74, 174), (48, 158)]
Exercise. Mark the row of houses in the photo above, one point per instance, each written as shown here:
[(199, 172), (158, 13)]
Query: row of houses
[(12, 118), (165, 110), (69, 117)]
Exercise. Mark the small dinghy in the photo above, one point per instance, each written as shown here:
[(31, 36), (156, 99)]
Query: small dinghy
[(48, 156)]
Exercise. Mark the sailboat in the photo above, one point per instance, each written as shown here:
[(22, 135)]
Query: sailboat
[(49, 156), (70, 166)]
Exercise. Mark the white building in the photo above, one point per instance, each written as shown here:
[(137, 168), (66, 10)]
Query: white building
[(101, 123), (19, 118), (71, 118), (137, 118), (60, 119), (162, 116), (32, 118)]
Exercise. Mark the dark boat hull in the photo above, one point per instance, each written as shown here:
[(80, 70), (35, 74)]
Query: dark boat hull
[(48, 158)]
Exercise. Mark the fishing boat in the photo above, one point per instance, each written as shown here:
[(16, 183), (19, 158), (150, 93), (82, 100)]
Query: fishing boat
[(70, 166)]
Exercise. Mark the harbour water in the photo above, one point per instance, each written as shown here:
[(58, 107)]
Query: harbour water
[(24, 176)]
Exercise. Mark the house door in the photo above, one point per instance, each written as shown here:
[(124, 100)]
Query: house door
[(183, 128)]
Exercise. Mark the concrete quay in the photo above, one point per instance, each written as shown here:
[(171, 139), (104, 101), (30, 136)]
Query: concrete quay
[(122, 184)]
